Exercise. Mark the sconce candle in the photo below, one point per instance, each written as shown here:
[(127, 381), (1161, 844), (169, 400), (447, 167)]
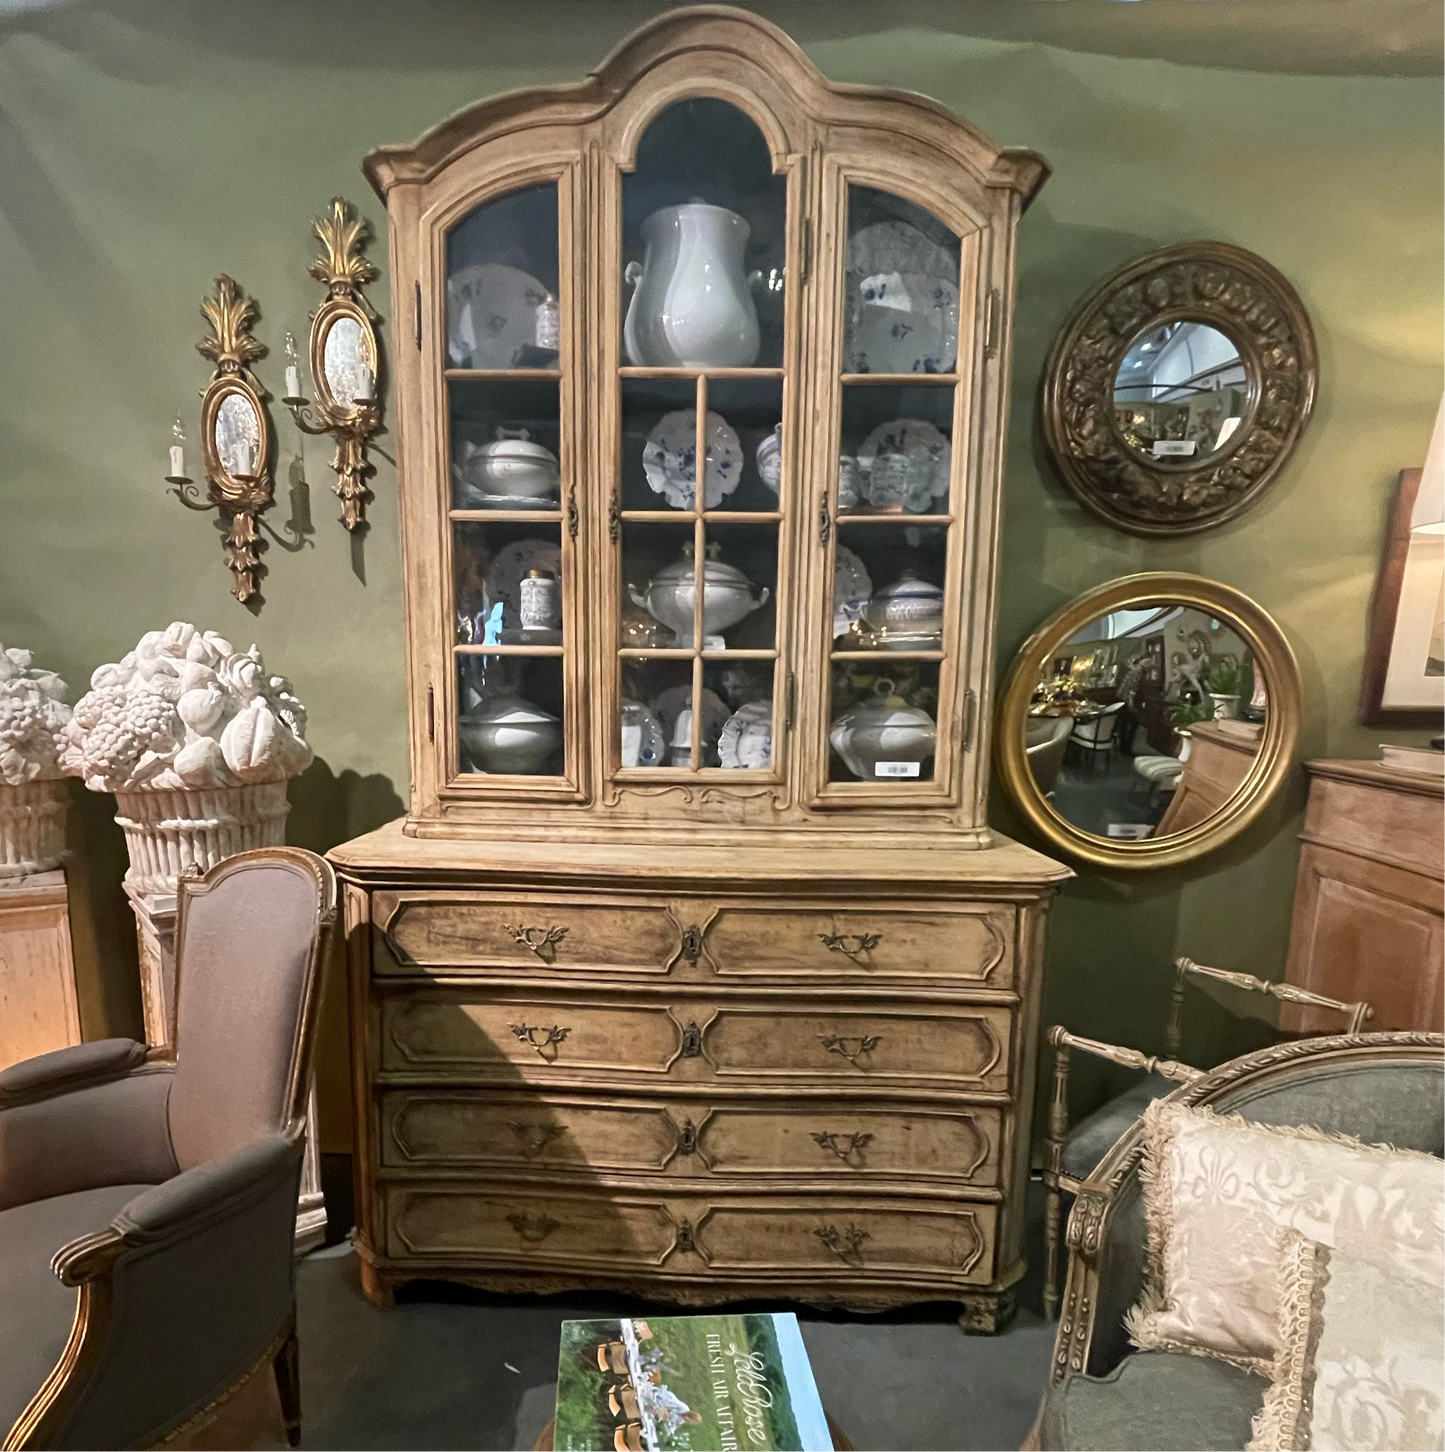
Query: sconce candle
[(293, 381)]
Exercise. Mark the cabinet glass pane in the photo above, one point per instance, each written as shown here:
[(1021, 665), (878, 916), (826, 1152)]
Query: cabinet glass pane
[(883, 721), (509, 715), (656, 715), (509, 583), (888, 588), (505, 444), (704, 229), (740, 586), (745, 687), (502, 283), (895, 450), (901, 302)]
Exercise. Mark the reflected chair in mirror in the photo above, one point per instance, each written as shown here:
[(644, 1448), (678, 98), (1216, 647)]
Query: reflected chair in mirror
[(1046, 748), (1379, 1088), (148, 1204), (1095, 737), (1070, 1156)]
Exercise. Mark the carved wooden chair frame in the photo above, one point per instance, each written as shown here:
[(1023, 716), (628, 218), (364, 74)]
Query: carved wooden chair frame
[(1057, 1181), (1096, 1196)]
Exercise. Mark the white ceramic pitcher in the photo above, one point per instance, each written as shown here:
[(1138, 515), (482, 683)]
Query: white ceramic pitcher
[(693, 307)]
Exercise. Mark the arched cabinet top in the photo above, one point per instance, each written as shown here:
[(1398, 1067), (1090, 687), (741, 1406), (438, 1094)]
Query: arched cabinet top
[(735, 56)]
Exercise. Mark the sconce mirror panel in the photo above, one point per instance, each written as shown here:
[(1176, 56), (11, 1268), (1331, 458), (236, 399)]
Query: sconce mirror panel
[(237, 435), (1149, 721), (348, 365), (1179, 387)]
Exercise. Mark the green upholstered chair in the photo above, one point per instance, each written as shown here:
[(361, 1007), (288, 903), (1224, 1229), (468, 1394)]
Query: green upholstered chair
[(148, 1205), (1381, 1088)]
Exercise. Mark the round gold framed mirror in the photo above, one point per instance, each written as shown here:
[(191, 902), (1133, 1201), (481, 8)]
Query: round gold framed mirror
[(1178, 388), (1149, 721)]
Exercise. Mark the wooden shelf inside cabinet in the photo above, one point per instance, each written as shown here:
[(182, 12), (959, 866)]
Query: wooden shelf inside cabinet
[(781, 1024)]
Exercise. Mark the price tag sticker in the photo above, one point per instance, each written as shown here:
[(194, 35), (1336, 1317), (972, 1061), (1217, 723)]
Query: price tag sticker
[(714, 642), (1163, 448), (896, 768)]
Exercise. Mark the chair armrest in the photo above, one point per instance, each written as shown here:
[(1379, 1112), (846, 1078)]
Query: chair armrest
[(67, 1131), (190, 1287), (64, 1069)]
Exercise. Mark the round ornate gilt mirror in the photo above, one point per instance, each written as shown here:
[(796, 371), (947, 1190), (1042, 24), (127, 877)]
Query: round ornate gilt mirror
[(1149, 721), (1178, 388)]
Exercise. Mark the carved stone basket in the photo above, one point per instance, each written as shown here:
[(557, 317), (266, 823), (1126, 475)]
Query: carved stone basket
[(32, 826), (169, 830)]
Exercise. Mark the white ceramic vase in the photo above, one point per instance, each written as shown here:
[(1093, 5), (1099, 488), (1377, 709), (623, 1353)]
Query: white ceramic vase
[(693, 307), (168, 830), (32, 826)]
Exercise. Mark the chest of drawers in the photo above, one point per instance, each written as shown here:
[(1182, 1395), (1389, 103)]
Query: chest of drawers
[(697, 1076)]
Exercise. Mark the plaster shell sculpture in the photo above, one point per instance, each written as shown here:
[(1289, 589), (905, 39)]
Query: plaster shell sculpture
[(197, 742), (33, 718)]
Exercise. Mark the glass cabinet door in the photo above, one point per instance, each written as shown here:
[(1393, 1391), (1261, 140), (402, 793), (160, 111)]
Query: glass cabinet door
[(509, 473), (890, 524), (697, 502)]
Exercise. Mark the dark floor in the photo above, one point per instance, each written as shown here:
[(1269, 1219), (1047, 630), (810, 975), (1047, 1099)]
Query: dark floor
[(1112, 793), (450, 1367)]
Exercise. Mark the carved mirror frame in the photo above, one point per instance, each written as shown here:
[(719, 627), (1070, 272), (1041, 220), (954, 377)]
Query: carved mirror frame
[(1273, 659), (1212, 283)]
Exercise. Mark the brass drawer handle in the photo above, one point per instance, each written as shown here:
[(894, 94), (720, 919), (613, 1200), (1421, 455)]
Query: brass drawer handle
[(862, 1047), (550, 1038), (846, 1244), (542, 942), (692, 942), (691, 1041), (532, 1228), (687, 1138), (848, 1147), (534, 1138), (861, 943)]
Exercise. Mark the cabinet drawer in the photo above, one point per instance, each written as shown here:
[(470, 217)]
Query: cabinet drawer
[(971, 944), (884, 1042), (526, 932), (508, 1037), (845, 1140), (534, 1134), (462, 1224), (521, 1134), (849, 1238)]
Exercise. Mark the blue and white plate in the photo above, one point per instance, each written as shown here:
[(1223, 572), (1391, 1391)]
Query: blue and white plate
[(901, 322), (908, 463), (669, 459)]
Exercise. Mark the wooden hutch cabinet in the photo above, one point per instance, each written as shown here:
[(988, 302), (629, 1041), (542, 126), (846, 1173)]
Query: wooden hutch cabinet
[(694, 969)]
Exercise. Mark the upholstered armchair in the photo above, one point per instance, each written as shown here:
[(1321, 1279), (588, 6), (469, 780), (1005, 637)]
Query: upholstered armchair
[(1380, 1088), (148, 1205)]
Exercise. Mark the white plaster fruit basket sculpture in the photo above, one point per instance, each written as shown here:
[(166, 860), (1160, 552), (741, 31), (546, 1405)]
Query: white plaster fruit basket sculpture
[(33, 791), (197, 743)]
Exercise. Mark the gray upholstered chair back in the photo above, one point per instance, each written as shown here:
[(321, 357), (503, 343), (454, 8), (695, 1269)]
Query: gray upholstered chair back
[(1379, 1088), (247, 941)]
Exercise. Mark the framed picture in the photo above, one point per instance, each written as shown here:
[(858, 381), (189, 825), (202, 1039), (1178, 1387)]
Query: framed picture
[(1404, 679)]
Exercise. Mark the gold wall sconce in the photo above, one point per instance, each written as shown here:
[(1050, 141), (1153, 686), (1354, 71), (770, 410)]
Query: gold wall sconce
[(343, 358), (235, 434)]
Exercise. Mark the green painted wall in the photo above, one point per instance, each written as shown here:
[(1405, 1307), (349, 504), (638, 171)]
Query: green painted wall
[(145, 147)]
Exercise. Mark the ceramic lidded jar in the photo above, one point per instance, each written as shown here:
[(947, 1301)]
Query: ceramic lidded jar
[(727, 595), (693, 307), (509, 736), (908, 614), (884, 737), (512, 466)]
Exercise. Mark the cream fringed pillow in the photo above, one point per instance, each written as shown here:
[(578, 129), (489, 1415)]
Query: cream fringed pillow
[(1362, 1364), (1218, 1190)]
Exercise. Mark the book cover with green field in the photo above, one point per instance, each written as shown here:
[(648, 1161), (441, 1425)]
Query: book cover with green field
[(690, 1383)]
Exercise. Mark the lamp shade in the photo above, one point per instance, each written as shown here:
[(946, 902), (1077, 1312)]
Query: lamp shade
[(1428, 516)]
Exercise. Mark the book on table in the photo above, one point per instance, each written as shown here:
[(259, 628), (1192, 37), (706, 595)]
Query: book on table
[(691, 1383), (1423, 760)]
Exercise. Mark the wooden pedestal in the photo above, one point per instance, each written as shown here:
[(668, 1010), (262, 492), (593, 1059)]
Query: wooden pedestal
[(38, 1009), (155, 927), (1367, 909)]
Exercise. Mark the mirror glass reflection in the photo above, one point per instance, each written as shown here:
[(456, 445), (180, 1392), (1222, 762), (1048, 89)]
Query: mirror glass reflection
[(1181, 392), (1146, 721), (238, 436), (348, 362)]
